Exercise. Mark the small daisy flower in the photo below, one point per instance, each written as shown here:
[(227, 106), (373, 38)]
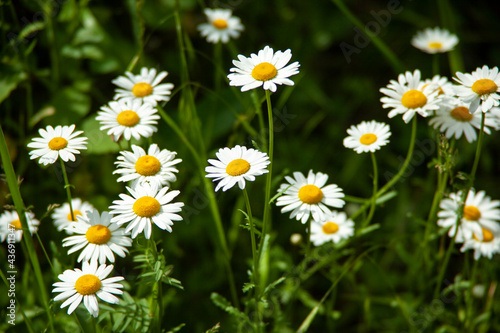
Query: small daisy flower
[(435, 40), (144, 87), (335, 226), (56, 142), (408, 96), (309, 196), (154, 167), (266, 69), (441, 84), (98, 238), (85, 284), (367, 136), (479, 87), (221, 25), (128, 118), (62, 215), (147, 204), (236, 165), (11, 228), (485, 243)]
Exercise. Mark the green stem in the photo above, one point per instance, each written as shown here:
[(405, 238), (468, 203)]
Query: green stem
[(469, 316), (156, 310), (67, 186), (472, 175), (258, 110), (374, 195), (443, 266)]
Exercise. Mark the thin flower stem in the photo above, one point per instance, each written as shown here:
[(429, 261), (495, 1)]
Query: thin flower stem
[(443, 266), (156, 311), (67, 186), (375, 188), (262, 127), (472, 175), (469, 316)]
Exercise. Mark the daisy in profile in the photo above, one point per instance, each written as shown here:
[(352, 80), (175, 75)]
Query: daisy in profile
[(442, 85), (479, 87), (367, 136), (157, 166), (11, 228), (144, 87), (485, 243), (435, 40), (334, 227), (408, 96), (265, 69), (98, 237), (221, 26), (146, 205), (62, 215), (87, 284), (56, 142), (128, 118), (309, 196)]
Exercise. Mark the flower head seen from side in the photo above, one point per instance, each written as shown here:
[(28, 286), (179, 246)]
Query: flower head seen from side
[(221, 26), (435, 40), (144, 87), (334, 227), (485, 243), (481, 87), (235, 166), (62, 215), (306, 197), (57, 142), (11, 228), (266, 69), (367, 136), (128, 119), (87, 284), (98, 237), (146, 205), (443, 86)]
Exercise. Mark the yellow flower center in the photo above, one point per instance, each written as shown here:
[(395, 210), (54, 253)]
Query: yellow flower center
[(330, 228), (471, 213), (413, 99), (220, 24), (16, 224), (487, 236), (310, 194), (368, 139), (484, 86), (98, 234), (264, 71), (461, 113), (146, 206), (128, 118), (58, 143), (147, 165), (237, 167), (435, 45), (73, 218), (142, 89), (87, 284)]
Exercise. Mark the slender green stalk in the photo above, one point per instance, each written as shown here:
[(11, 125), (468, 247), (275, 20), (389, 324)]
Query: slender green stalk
[(469, 300), (472, 175), (67, 186), (444, 265), (374, 195), (156, 311), (262, 126)]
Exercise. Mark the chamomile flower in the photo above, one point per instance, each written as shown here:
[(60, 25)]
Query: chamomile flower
[(235, 166), (266, 69), (98, 238), (11, 228), (128, 118), (87, 284), (435, 40), (144, 87), (334, 227), (309, 196), (62, 215), (57, 142), (441, 83), (367, 136), (146, 205), (408, 96), (485, 243), (221, 26), (479, 87)]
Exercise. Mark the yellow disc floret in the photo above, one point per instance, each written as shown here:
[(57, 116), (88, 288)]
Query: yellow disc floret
[(98, 234), (484, 86), (16, 224), (128, 118), (142, 89), (413, 99), (220, 24), (435, 45), (368, 138), (237, 167), (75, 214), (471, 213), (58, 143), (147, 165), (310, 194), (330, 228), (88, 284), (487, 236), (264, 71), (146, 207), (461, 113)]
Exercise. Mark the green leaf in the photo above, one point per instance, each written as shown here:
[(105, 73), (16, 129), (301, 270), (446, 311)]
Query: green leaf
[(225, 305), (10, 79)]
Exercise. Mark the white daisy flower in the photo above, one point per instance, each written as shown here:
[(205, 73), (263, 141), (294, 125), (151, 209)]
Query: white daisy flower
[(154, 167), (85, 284), (485, 243), (409, 96), (235, 165), (335, 226), (128, 118), (221, 25), (56, 142), (367, 136), (479, 87), (266, 69), (148, 204), (144, 87), (62, 215), (309, 196), (442, 85), (10, 226), (98, 238), (435, 40)]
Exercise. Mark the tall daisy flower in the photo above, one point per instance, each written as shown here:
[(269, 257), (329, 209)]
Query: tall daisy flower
[(11, 228), (309, 196), (146, 205), (144, 87), (479, 87), (408, 96), (435, 40), (221, 26), (57, 142), (367, 136), (128, 118), (334, 227), (266, 69), (62, 215), (485, 243), (235, 166), (87, 284), (98, 237)]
